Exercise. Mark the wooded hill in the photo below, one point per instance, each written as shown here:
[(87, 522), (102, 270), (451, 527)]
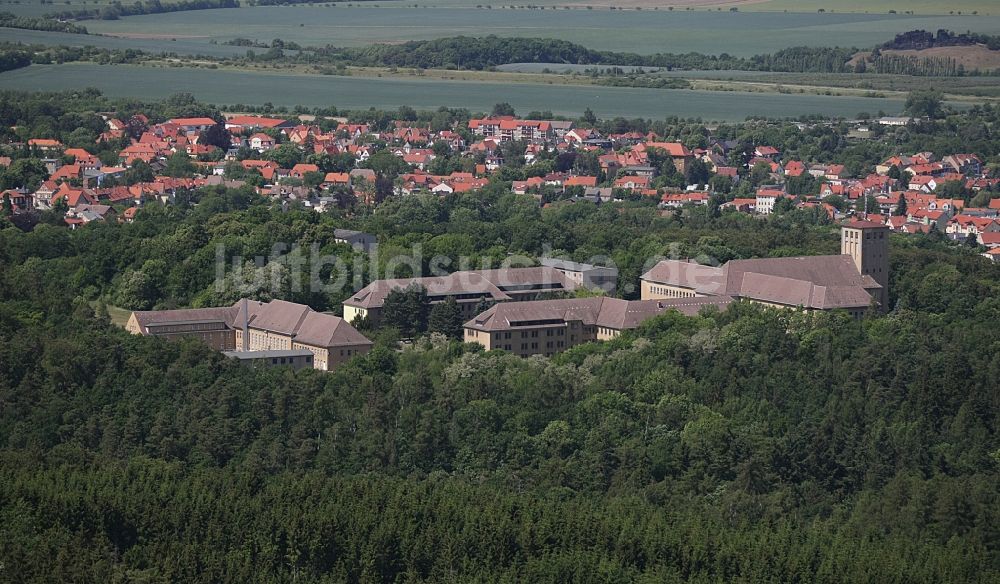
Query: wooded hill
[(749, 445)]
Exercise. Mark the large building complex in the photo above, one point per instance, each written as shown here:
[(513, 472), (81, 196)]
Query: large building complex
[(545, 327), (469, 288), (277, 327), (852, 281)]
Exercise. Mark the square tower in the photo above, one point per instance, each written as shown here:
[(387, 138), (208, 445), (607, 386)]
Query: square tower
[(867, 242)]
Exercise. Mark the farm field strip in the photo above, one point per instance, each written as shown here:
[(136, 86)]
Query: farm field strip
[(226, 87), (741, 33)]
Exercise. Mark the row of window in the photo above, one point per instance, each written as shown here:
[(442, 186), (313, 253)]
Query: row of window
[(670, 292), (559, 332), (290, 360), (534, 346)]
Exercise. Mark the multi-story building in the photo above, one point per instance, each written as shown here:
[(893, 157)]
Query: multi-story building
[(251, 326), (586, 275), (507, 129), (851, 281), (467, 288), (545, 327), (356, 239)]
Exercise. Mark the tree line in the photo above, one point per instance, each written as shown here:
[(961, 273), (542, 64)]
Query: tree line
[(116, 9), (10, 20), (918, 40)]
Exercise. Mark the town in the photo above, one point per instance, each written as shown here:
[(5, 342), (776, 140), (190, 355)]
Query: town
[(336, 165)]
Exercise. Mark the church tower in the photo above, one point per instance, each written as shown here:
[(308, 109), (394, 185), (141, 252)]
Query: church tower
[(867, 242)]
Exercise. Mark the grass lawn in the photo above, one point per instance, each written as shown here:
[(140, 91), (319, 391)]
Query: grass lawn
[(119, 316)]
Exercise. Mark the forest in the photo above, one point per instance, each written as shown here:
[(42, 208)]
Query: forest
[(747, 445), (490, 51)]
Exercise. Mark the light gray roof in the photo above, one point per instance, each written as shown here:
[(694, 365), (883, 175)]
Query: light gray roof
[(570, 266)]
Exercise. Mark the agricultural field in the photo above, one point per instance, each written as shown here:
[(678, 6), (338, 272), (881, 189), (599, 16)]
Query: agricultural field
[(647, 31), (922, 7), (225, 87), (919, 7), (984, 86), (181, 46)]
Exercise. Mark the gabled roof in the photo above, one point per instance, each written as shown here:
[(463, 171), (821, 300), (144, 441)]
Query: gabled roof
[(674, 149), (686, 274), (820, 282), (192, 122), (613, 313)]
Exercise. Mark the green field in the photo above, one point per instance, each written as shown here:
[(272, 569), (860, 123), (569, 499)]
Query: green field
[(969, 85), (228, 87), (741, 33), (179, 46), (989, 7)]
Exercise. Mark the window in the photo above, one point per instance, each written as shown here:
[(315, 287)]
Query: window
[(282, 360), (274, 361)]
